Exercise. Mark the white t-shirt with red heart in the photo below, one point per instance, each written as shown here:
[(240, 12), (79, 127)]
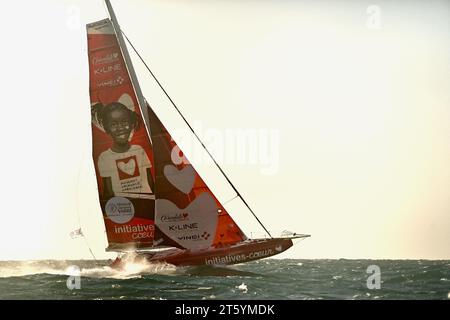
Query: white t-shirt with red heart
[(127, 170)]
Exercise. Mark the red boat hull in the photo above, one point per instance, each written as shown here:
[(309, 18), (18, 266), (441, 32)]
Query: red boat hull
[(237, 253)]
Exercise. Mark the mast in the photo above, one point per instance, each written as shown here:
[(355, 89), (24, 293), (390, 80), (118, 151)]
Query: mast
[(143, 105), (133, 77)]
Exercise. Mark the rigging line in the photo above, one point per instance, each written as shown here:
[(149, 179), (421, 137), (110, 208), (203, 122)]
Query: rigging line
[(230, 200), (89, 248), (77, 206), (195, 134)]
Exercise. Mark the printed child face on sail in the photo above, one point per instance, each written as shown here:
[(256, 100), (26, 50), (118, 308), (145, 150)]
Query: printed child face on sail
[(124, 168), (118, 121)]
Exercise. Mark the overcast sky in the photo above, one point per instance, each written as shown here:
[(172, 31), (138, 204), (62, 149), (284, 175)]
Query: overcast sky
[(347, 102)]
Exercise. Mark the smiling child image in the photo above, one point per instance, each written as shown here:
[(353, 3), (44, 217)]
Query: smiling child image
[(125, 167)]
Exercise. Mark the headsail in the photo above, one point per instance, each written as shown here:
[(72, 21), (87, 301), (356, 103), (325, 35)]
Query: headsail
[(187, 212), (122, 151)]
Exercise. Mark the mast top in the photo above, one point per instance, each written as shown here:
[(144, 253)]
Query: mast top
[(134, 80)]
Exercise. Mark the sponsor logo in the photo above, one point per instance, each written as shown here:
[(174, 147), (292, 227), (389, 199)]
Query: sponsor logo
[(107, 69), (205, 235), (195, 237), (111, 82), (134, 228), (110, 57), (119, 210), (236, 258), (182, 227), (175, 218), (139, 231), (142, 235)]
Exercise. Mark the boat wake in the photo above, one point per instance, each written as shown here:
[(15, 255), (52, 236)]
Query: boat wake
[(130, 268), (90, 269)]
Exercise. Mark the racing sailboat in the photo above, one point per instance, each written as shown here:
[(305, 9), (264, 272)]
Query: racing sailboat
[(154, 203)]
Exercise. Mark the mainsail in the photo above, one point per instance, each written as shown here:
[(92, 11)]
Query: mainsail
[(122, 152), (149, 192)]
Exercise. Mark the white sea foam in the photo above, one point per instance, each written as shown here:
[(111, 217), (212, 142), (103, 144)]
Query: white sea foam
[(130, 269), (242, 287)]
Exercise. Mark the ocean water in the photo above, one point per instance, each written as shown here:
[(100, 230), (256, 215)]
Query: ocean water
[(264, 279)]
